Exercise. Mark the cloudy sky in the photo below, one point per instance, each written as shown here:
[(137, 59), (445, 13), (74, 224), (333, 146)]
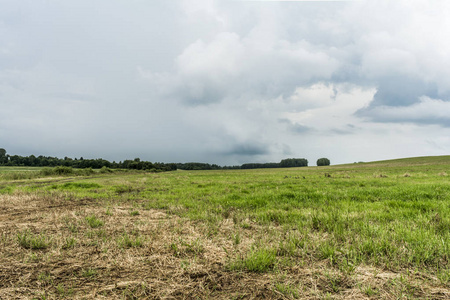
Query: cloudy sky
[(225, 81)]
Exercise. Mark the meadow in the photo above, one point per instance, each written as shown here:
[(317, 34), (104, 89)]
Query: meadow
[(360, 231)]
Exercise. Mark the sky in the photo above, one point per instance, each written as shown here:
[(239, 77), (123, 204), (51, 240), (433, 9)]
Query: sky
[(225, 81)]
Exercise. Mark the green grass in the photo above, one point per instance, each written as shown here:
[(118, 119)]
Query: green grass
[(392, 216), (128, 241), (257, 260), (94, 222), (33, 241)]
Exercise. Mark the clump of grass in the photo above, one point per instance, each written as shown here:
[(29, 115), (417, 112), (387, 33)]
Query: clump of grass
[(20, 175), (369, 290), (105, 170), (134, 213), (289, 246), (69, 242), (334, 283), (80, 185), (126, 241), (45, 278), (122, 189), (89, 273), (73, 227), (258, 261), (94, 222), (236, 239), (29, 240), (62, 291), (61, 170), (327, 250), (183, 248), (6, 190), (380, 175), (287, 290)]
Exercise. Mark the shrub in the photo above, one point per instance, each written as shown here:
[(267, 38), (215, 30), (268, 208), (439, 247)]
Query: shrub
[(323, 162), (105, 170), (63, 170)]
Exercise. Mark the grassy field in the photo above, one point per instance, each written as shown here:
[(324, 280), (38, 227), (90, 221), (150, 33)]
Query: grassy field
[(362, 231)]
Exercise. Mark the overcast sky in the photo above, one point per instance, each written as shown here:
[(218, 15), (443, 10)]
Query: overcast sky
[(225, 81)]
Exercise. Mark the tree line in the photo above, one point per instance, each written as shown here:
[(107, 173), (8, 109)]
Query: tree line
[(81, 163), (137, 164), (285, 163)]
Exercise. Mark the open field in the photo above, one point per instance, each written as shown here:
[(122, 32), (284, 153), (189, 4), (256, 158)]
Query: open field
[(362, 231)]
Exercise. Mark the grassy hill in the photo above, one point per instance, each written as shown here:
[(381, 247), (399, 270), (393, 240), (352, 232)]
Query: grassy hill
[(413, 161)]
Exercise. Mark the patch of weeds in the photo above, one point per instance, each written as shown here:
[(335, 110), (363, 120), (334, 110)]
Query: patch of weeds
[(246, 225), (105, 170), (80, 185), (369, 291), (62, 291), (42, 296), (258, 261), (334, 283), (108, 212), (183, 248), (136, 291), (73, 227), (89, 273), (34, 257), (287, 290), (327, 250), (404, 286), (96, 234), (236, 238), (122, 189), (125, 241), (29, 240), (134, 213), (94, 222), (6, 190), (289, 246), (69, 243), (185, 264), (444, 276), (45, 278)]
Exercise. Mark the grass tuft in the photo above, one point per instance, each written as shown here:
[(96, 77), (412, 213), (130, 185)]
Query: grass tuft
[(258, 261), (29, 240), (94, 222)]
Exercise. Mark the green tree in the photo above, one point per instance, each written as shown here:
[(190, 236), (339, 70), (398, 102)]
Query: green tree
[(3, 158), (323, 161)]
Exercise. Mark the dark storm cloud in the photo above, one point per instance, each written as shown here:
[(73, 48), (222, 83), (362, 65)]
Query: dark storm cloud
[(425, 111), (248, 149), (402, 91)]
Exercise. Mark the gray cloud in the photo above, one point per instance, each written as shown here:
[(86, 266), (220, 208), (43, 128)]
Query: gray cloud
[(248, 149), (224, 81), (295, 127), (426, 111)]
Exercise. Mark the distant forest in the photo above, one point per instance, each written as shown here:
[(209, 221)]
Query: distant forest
[(285, 163), (135, 164)]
